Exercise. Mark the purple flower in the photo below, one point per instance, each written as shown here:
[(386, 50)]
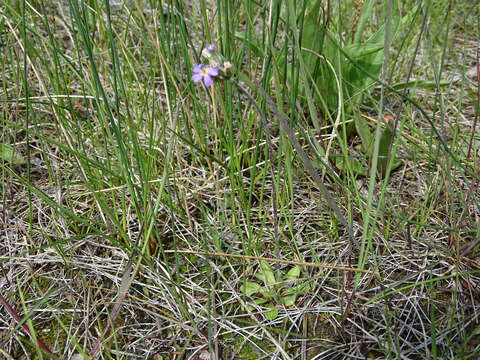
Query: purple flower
[(211, 48), (204, 73)]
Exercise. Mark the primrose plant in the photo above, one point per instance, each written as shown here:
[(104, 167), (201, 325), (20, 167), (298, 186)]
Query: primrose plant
[(281, 290)]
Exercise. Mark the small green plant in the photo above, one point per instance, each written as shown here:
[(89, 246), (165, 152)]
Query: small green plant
[(280, 289)]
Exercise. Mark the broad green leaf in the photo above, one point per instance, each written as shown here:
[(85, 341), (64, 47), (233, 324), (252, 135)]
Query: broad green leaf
[(365, 14), (384, 151), (260, 276), (345, 162), (261, 301), (419, 84), (303, 287), (356, 51), (313, 36), (289, 300), (267, 292), (368, 62), (249, 288), (379, 35), (266, 274), (363, 131), (293, 273), (8, 153), (396, 23), (298, 290), (370, 53), (271, 314)]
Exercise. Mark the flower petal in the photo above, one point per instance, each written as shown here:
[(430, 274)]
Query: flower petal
[(213, 71), (198, 68), (197, 78), (207, 80)]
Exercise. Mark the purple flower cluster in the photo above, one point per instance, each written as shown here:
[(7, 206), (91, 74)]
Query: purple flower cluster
[(208, 73)]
